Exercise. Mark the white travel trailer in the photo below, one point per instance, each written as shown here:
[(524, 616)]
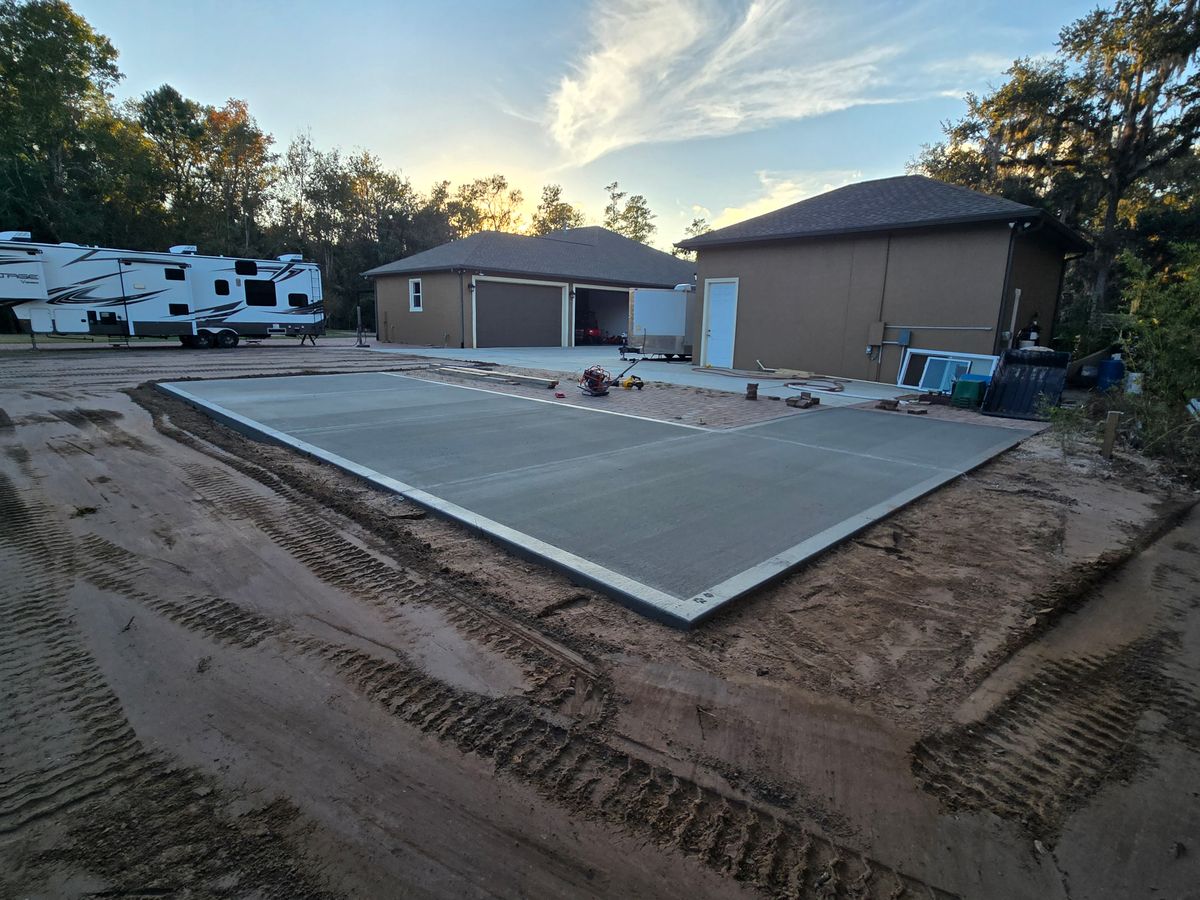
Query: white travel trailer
[(206, 301)]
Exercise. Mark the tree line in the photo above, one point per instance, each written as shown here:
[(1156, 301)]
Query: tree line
[(1102, 134), (164, 169)]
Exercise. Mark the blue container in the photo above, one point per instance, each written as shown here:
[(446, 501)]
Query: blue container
[(1110, 372)]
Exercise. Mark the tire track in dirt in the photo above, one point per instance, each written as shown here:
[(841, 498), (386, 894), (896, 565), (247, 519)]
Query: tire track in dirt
[(72, 761), (567, 762), (559, 676), (1058, 738)]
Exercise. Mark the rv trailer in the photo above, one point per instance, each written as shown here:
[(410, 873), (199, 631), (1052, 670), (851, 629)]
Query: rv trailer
[(205, 301)]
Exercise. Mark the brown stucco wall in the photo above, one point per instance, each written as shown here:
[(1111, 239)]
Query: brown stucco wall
[(1036, 272), (438, 324), (810, 304)]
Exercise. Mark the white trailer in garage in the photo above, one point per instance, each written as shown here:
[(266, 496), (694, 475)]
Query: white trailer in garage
[(205, 301), (660, 321)]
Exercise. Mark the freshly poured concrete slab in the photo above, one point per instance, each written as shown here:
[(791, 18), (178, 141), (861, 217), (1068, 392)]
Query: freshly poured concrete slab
[(674, 520)]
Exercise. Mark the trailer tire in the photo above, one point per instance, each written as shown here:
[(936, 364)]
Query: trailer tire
[(202, 341), (226, 340), (187, 340)]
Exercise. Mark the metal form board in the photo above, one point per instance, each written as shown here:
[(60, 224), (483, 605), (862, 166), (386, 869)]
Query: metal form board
[(673, 520)]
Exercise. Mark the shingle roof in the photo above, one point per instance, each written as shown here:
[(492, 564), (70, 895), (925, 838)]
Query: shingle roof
[(581, 254), (906, 201)]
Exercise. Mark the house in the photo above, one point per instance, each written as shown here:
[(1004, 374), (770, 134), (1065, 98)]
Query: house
[(874, 279), (495, 289)]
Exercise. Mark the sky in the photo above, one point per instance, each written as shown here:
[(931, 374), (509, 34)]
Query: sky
[(716, 108)]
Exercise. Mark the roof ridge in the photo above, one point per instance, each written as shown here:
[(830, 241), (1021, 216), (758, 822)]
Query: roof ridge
[(874, 205)]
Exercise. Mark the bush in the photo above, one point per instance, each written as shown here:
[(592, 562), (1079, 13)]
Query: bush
[(1162, 337)]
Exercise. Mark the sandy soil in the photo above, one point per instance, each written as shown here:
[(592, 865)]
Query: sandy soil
[(229, 670)]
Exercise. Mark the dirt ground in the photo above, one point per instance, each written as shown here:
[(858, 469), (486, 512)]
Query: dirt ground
[(228, 670)]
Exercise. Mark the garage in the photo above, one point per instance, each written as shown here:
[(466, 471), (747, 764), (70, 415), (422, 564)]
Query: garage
[(601, 314), (518, 313), (494, 289)]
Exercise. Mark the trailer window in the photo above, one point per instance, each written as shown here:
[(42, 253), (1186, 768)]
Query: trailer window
[(297, 299), (177, 309), (246, 267), (221, 286), (414, 295), (174, 274), (260, 292)]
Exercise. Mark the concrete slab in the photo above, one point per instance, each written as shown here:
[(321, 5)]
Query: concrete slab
[(674, 520), (575, 359)]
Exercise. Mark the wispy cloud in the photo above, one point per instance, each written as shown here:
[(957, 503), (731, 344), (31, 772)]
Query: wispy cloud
[(668, 70), (782, 189)]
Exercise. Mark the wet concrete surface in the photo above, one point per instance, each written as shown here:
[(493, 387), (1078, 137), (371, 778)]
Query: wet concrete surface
[(675, 520)]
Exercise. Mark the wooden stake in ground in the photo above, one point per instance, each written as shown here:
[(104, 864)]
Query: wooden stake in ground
[(1111, 421)]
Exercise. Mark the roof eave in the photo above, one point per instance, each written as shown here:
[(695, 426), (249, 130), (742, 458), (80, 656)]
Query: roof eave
[(524, 273), (699, 243)]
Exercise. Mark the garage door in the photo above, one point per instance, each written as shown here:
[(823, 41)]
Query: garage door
[(517, 315)]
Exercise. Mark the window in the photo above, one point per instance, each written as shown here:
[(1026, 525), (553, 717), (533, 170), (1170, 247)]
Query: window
[(297, 299), (177, 309), (174, 274), (937, 370), (414, 295), (246, 267), (221, 286), (260, 292)]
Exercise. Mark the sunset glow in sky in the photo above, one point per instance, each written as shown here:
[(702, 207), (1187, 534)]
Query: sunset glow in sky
[(720, 108)]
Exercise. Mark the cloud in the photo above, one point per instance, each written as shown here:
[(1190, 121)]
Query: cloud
[(664, 70), (778, 190)]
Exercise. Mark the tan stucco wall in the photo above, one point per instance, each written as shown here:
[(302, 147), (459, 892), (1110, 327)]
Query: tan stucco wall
[(1036, 272), (438, 324), (810, 304)]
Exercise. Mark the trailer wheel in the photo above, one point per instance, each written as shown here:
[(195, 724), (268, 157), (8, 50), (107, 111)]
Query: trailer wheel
[(226, 340), (188, 341), (202, 341)]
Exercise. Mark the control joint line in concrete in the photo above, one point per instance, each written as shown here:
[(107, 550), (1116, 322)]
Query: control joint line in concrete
[(556, 462), (844, 452)]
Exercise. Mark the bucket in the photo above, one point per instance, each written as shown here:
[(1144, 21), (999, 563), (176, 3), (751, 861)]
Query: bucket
[(1109, 372)]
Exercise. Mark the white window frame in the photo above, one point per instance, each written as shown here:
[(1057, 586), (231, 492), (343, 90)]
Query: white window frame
[(909, 352), (417, 295)]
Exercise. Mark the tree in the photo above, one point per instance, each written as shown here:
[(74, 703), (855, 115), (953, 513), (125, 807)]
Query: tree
[(554, 213), (631, 218), (176, 126), (698, 226), (612, 212), (239, 173), (485, 204), (56, 73), (1079, 133)]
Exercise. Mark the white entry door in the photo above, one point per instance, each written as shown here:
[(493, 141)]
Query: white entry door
[(720, 321)]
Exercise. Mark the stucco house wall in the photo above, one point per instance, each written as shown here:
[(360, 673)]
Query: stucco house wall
[(440, 322), (811, 304)]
